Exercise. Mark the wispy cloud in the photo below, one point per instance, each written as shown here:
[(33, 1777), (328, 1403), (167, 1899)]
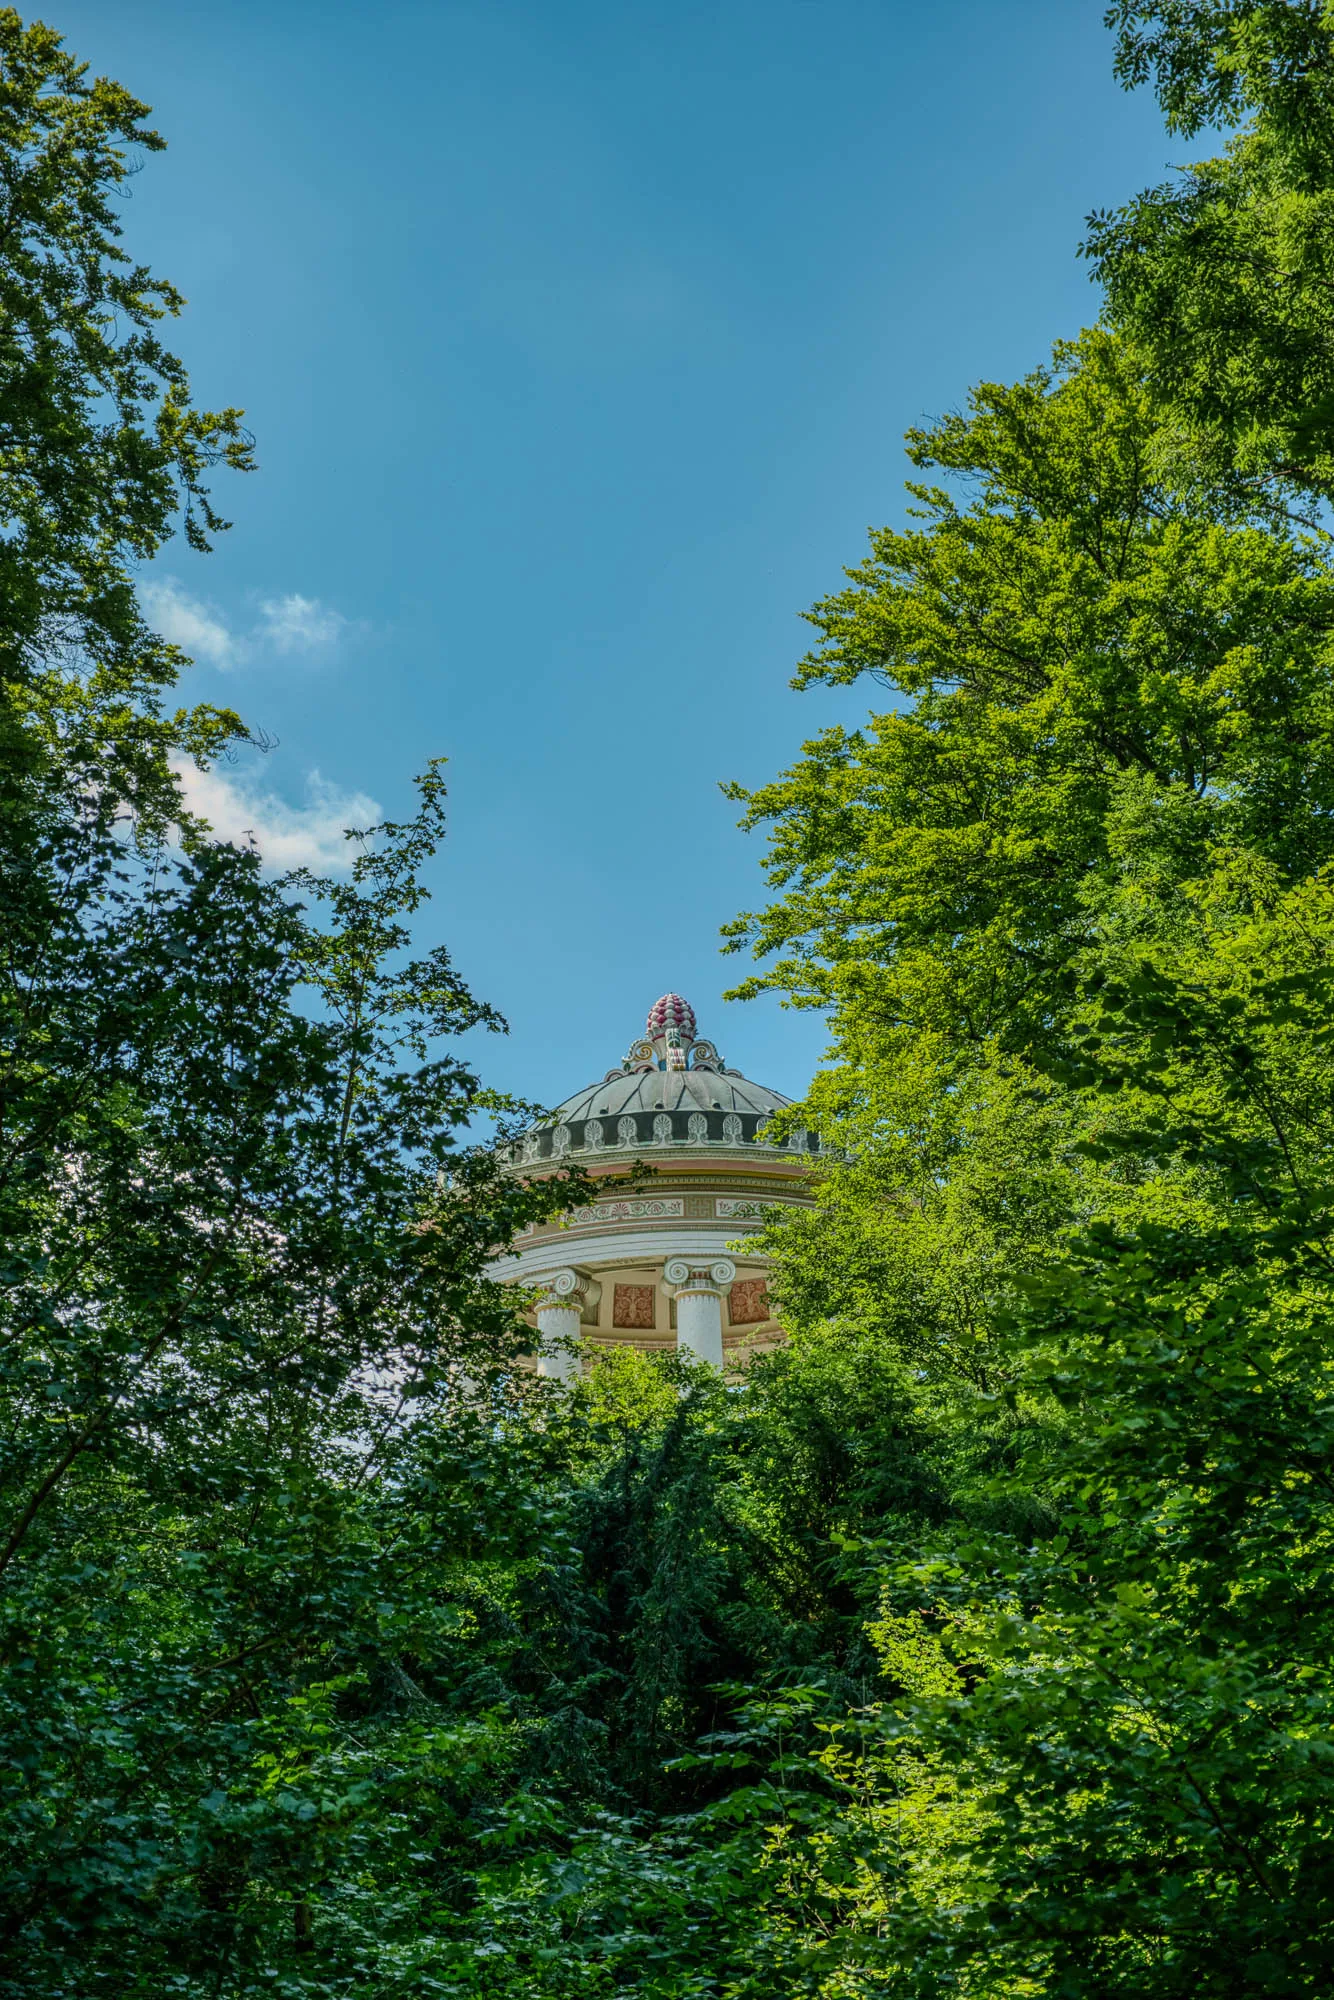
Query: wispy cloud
[(199, 629), (290, 624), (299, 624), (287, 836)]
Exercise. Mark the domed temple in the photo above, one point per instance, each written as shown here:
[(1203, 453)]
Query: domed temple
[(664, 1265)]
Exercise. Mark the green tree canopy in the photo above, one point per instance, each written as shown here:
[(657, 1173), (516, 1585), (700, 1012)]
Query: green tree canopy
[(102, 450), (1087, 663), (1221, 277)]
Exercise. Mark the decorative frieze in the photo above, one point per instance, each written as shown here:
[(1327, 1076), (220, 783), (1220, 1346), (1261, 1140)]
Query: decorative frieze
[(627, 1211)]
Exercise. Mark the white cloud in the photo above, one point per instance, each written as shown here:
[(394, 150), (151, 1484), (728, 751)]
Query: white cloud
[(296, 624), (290, 624), (287, 836), (199, 629)]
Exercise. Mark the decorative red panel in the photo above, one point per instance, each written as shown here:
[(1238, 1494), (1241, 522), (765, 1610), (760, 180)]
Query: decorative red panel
[(633, 1305), (748, 1302)]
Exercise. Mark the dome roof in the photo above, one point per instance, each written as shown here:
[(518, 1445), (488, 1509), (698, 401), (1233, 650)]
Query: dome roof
[(672, 1089)]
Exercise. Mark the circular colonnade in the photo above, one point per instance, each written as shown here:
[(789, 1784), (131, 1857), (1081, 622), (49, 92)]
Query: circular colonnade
[(669, 1265)]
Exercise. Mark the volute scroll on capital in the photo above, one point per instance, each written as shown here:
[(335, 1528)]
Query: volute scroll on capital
[(568, 1288), (698, 1277)]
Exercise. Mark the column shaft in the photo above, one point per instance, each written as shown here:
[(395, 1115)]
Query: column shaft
[(699, 1324), (556, 1322)]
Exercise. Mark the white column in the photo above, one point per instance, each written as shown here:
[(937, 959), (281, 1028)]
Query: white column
[(699, 1306), (558, 1322)]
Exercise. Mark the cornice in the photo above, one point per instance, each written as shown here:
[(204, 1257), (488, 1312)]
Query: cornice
[(603, 1245)]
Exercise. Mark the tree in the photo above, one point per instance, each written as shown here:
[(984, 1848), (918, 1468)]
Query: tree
[(244, 1261), (1221, 278), (1104, 1719), (1066, 907), (101, 447), (245, 1251), (1083, 653)]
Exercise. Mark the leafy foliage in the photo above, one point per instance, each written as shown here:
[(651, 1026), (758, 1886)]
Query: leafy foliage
[(1221, 278), (101, 447)]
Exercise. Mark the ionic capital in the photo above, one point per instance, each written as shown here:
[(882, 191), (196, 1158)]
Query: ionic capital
[(568, 1288), (685, 1277)]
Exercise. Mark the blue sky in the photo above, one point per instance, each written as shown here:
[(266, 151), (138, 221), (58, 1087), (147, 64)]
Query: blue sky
[(579, 340)]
